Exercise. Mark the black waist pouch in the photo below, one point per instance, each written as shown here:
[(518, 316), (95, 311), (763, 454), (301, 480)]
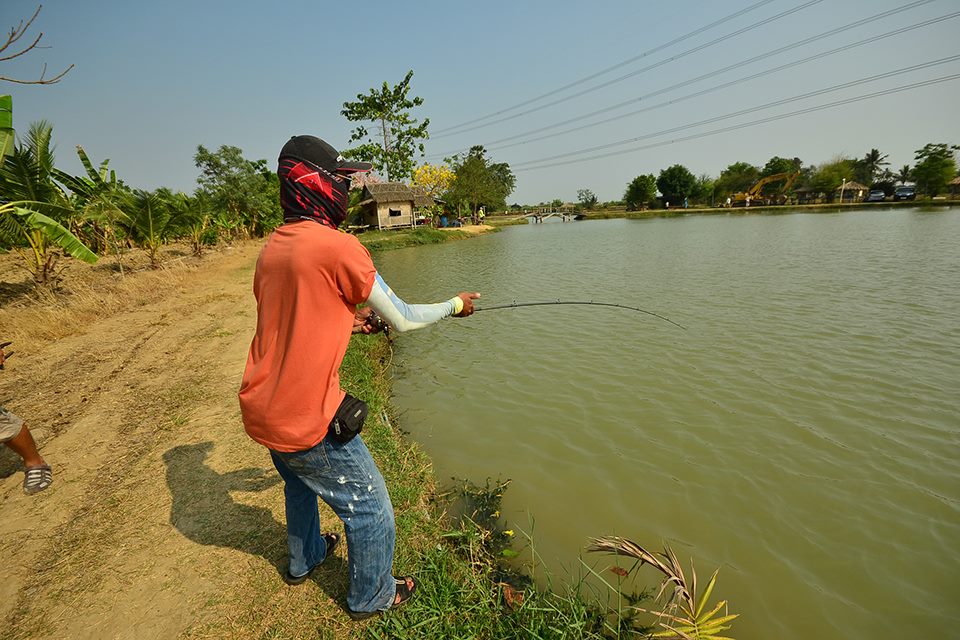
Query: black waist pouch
[(348, 421)]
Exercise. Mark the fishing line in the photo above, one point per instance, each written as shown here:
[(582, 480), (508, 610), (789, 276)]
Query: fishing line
[(514, 305)]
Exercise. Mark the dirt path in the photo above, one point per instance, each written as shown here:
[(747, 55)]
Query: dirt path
[(159, 498)]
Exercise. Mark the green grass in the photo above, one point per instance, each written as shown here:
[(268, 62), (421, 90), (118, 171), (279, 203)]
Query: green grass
[(398, 238)]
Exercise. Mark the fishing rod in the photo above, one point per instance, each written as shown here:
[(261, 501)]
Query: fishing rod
[(514, 305)]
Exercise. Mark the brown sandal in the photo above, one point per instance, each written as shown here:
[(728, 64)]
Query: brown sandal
[(405, 588)]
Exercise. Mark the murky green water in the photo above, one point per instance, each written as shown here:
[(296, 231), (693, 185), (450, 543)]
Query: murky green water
[(802, 435)]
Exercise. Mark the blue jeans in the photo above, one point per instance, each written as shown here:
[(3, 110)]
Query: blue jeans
[(347, 479)]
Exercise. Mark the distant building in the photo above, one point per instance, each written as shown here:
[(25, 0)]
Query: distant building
[(851, 192), (388, 205), (954, 187)]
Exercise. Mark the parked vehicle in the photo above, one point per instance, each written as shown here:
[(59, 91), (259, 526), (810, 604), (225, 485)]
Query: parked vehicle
[(876, 196), (905, 193)]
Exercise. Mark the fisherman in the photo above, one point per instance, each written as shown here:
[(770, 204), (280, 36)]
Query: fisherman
[(37, 474), (309, 279)]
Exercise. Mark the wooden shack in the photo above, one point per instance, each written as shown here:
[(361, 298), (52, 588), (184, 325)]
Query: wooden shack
[(388, 205)]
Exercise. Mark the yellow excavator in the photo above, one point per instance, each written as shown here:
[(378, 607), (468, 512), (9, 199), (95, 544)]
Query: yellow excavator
[(753, 197)]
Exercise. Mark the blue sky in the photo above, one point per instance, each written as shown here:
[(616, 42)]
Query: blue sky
[(154, 80)]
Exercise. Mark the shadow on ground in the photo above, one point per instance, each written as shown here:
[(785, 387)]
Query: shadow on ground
[(204, 511)]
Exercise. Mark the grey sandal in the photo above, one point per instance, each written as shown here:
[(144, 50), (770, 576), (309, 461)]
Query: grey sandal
[(36, 479)]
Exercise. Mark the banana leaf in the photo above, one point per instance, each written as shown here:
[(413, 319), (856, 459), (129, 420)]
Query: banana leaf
[(6, 126), (55, 232)]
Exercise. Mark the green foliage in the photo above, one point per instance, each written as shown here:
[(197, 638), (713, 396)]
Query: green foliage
[(870, 167), (7, 135), (935, 167), (703, 190), (399, 133), (676, 183), (776, 164), (587, 198), (904, 175), (831, 175), (245, 190), (478, 182), (736, 178), (151, 221), (34, 207), (641, 191)]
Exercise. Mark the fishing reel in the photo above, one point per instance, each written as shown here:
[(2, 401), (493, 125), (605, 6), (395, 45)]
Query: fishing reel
[(376, 323)]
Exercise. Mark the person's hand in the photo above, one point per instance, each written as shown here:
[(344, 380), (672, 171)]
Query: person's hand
[(360, 320), (468, 299)]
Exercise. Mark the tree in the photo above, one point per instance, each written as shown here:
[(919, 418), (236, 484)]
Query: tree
[(676, 183), (703, 189), (736, 178), (246, 189), (640, 191), (776, 164), (903, 176), (435, 179), (871, 166), (935, 167), (587, 198), (15, 34), (399, 133), (831, 175), (34, 206), (99, 197), (480, 183)]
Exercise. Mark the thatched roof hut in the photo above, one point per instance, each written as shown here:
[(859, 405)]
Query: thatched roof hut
[(851, 191), (388, 205)]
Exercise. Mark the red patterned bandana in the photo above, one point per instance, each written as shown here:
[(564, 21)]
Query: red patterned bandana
[(309, 192)]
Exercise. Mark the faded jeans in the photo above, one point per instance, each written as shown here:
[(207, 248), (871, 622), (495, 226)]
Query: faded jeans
[(347, 479)]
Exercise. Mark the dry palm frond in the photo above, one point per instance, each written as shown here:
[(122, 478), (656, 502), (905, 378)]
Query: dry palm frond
[(683, 616)]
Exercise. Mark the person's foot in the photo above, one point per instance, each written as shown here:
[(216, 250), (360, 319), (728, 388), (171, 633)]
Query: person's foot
[(37, 478), (331, 539), (405, 588)]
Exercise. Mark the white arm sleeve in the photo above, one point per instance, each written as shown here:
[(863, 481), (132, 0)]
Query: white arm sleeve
[(406, 317)]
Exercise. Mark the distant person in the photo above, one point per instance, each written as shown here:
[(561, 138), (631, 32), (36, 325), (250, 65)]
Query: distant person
[(728, 201), (685, 203), (309, 279), (37, 474)]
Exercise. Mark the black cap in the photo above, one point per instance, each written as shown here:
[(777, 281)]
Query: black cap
[(317, 152)]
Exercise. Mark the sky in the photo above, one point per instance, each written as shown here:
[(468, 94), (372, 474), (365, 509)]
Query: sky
[(572, 95)]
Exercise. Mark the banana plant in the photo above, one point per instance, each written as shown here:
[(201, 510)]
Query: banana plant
[(99, 197), (31, 202), (685, 615)]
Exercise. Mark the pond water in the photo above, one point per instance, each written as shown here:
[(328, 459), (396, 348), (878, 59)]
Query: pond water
[(801, 435)]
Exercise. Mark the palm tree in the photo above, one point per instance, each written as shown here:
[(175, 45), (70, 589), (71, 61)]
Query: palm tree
[(903, 176), (151, 221), (32, 205), (872, 163)]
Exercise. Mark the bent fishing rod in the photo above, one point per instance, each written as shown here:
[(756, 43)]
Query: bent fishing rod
[(514, 305)]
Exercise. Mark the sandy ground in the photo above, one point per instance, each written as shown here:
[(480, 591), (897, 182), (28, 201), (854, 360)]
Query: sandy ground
[(159, 498)]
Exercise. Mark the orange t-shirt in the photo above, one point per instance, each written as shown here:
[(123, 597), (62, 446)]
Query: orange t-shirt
[(308, 282)]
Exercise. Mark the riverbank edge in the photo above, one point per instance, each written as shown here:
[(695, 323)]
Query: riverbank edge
[(459, 593), (772, 209)]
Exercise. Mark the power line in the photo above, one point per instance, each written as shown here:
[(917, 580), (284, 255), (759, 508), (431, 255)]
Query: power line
[(704, 134), (644, 69), (611, 68), (775, 103), (846, 47)]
